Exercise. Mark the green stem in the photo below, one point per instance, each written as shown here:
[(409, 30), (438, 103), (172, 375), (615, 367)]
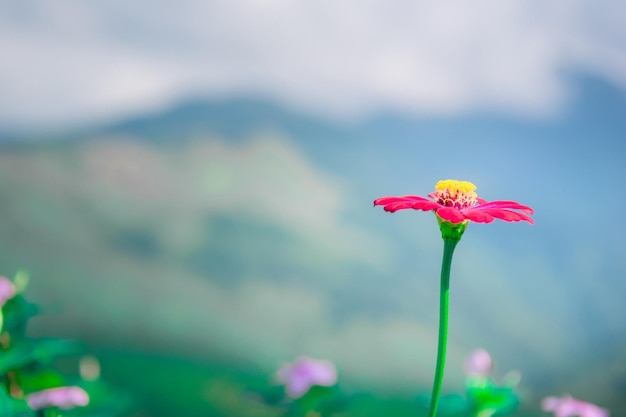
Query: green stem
[(448, 250)]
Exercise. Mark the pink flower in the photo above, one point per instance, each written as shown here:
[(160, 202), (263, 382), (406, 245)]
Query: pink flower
[(62, 397), (478, 363), (305, 372), (456, 202), (569, 407), (7, 290)]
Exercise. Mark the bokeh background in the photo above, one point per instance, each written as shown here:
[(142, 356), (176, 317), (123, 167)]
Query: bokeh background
[(190, 186)]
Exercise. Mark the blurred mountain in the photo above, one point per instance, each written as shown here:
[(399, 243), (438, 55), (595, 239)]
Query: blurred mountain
[(239, 231), (165, 204), (234, 118)]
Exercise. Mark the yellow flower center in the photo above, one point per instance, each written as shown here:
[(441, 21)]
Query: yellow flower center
[(453, 193)]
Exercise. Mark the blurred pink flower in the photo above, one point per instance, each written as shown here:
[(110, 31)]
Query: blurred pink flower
[(305, 372), (478, 363), (456, 202), (62, 397), (7, 290), (567, 406)]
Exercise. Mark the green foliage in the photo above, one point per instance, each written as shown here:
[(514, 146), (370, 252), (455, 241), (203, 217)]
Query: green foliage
[(23, 352), (492, 399), (483, 398), (10, 407), (27, 367), (318, 401)]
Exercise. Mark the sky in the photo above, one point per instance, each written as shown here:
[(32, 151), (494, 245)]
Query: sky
[(71, 62), (522, 97)]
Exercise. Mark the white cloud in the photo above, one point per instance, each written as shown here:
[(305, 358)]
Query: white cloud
[(77, 61)]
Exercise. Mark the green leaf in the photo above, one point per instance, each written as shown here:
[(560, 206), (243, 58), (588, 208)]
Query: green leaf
[(453, 404), (9, 406), (17, 311), (325, 400), (501, 399), (40, 380), (36, 351)]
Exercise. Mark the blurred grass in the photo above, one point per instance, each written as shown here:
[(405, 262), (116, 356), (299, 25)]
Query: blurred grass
[(165, 386)]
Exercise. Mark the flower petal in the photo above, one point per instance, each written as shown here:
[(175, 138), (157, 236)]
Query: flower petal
[(382, 201), (323, 373), (398, 205), (506, 215), (425, 205), (479, 362), (478, 216), (298, 386), (7, 290), (393, 204), (450, 214), (550, 403), (592, 410), (567, 406), (305, 372), (506, 204), (62, 397)]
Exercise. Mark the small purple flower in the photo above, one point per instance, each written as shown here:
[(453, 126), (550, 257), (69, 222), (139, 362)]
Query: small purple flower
[(567, 406), (62, 397), (7, 290), (305, 372), (478, 363)]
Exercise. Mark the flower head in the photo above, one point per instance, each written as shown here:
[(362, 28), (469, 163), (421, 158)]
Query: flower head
[(62, 397), (305, 372), (567, 406), (484, 394), (457, 202), (478, 363), (7, 290)]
